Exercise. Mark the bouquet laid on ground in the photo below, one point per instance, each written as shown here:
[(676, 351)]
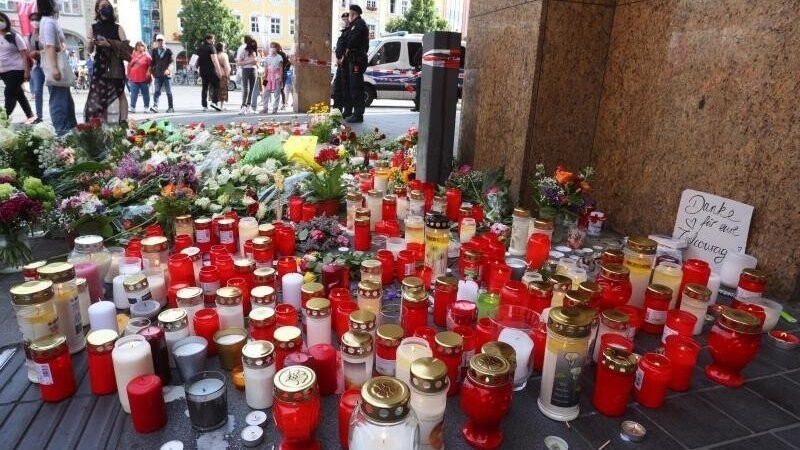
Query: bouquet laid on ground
[(21, 205), (563, 192), (489, 189), (320, 234)]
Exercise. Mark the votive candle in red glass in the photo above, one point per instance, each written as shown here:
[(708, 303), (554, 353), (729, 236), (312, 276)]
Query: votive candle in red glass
[(182, 241), (444, 295), (486, 399), (514, 292), (243, 286), (656, 305), (263, 251), (405, 264), (453, 196), (172, 293), (386, 257), (682, 351), (614, 381), (297, 407), (209, 282), (469, 336), (616, 341), (226, 269), (652, 379), (733, 342), (264, 276), (361, 240), (426, 273), (678, 322), (325, 366), (206, 324), (427, 333), (285, 239), (262, 323), (449, 347), (99, 345), (347, 403), (286, 315), (287, 339), (634, 318), (202, 234), (418, 249), (181, 269), (499, 275), (332, 277), (286, 264), (462, 312), (153, 230), (486, 330), (539, 344), (148, 410), (295, 208), (694, 271), (342, 319), (56, 378), (414, 312), (309, 211), (540, 295), (616, 284), (389, 208)]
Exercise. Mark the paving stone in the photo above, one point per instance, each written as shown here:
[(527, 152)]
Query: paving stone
[(792, 435), (597, 429), (788, 360), (680, 417), (748, 408), (764, 441), (779, 391)]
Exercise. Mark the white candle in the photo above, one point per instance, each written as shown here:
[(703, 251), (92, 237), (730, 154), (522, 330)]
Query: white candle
[(229, 339), (132, 358), (410, 350), (120, 296), (258, 386), (188, 349), (230, 316), (248, 229), (103, 316), (523, 346), (158, 286), (713, 285), (318, 330), (402, 208), (669, 274), (772, 309), (467, 290), (291, 283), (84, 300)]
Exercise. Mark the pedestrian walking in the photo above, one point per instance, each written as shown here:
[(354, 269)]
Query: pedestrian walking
[(224, 79), (288, 86), (14, 68), (246, 61), (108, 81), (261, 73), (340, 97), (273, 84), (356, 55), (139, 75), (62, 107), (286, 64), (35, 50), (210, 72), (161, 70)]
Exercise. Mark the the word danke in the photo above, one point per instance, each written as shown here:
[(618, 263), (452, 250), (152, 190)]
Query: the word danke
[(697, 204)]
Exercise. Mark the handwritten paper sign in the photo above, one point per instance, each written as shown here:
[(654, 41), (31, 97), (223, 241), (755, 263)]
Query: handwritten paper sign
[(711, 226)]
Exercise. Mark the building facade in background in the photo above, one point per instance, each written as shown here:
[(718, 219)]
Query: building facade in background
[(76, 17)]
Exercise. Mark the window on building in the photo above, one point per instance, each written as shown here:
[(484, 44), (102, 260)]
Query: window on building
[(254, 24), (69, 7), (389, 53), (372, 5), (403, 6), (392, 6), (291, 27), (275, 25), (371, 27), (6, 5)]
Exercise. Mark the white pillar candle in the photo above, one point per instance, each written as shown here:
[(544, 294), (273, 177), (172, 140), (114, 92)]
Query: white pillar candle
[(670, 275), (713, 285), (132, 358), (84, 300), (402, 208), (467, 290), (103, 316), (291, 284), (772, 309), (318, 321), (410, 350), (158, 285), (523, 346), (248, 229), (259, 370)]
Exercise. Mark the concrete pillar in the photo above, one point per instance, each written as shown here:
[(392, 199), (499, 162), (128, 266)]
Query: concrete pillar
[(312, 82)]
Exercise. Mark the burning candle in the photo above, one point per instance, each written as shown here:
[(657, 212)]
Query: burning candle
[(158, 285), (132, 358), (229, 342), (158, 351), (410, 349), (89, 271), (207, 401)]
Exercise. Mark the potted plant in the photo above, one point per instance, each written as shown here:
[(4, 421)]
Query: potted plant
[(20, 206), (325, 186)]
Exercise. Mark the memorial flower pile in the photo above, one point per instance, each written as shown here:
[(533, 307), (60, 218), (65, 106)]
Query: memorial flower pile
[(563, 191)]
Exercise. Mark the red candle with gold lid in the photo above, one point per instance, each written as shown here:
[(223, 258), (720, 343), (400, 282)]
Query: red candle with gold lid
[(262, 322), (297, 407), (99, 345), (614, 381), (652, 379), (733, 342), (656, 305), (54, 366), (449, 347), (287, 339), (616, 284), (485, 400), (444, 294)]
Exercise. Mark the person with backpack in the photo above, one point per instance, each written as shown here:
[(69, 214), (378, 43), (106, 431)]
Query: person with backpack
[(14, 68)]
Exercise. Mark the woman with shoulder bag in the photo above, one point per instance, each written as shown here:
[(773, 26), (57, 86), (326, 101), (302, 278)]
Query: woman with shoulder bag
[(139, 76), (58, 76), (35, 50), (14, 68), (108, 81)]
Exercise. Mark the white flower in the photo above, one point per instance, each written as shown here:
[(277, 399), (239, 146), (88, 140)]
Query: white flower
[(8, 139), (270, 165), (223, 177), (262, 211), (44, 131), (246, 170), (203, 202), (215, 208), (212, 184), (235, 175), (262, 178)]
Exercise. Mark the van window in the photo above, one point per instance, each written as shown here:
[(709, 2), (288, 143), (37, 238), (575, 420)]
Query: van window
[(414, 59), (389, 53)]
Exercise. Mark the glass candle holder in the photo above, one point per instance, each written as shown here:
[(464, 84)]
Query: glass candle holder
[(369, 296), (752, 283), (652, 379), (357, 358), (390, 314), (410, 349), (772, 311), (678, 322), (159, 352), (733, 342), (669, 274), (384, 416), (682, 352), (515, 325), (617, 288), (131, 357), (732, 267), (463, 313), (99, 345), (258, 362), (262, 322), (190, 356), (326, 367), (614, 381), (206, 325), (56, 377), (347, 404), (694, 300), (288, 339), (297, 407), (485, 400), (342, 319), (206, 399), (388, 339), (449, 347), (656, 304), (694, 271), (229, 343), (444, 295)]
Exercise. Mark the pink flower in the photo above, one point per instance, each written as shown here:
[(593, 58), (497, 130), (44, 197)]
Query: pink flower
[(317, 235)]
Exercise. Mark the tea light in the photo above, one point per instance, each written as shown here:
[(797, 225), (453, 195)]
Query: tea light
[(190, 356), (148, 309), (229, 342), (292, 283), (252, 436), (256, 418), (172, 445), (772, 309), (103, 316), (784, 340), (207, 401)]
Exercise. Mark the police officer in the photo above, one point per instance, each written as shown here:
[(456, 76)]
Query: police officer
[(356, 56), (341, 99)]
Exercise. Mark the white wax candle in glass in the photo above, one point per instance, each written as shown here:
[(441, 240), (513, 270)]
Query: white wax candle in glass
[(258, 359), (292, 284), (695, 301), (229, 308), (410, 349), (318, 321), (523, 346), (132, 358), (248, 229), (669, 274), (156, 279)]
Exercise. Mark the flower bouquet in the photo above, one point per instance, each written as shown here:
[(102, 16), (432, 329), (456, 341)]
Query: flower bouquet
[(562, 193), (320, 234), (487, 189), (18, 210)]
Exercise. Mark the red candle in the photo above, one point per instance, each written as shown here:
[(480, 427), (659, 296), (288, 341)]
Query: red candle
[(486, 331), (172, 293), (485, 400), (656, 305), (462, 312), (263, 251), (389, 208), (469, 337), (209, 282), (342, 319), (56, 379), (148, 410), (159, 352), (453, 203), (733, 342), (286, 264), (426, 273), (614, 381), (615, 281), (264, 276), (309, 211), (285, 239), (337, 296), (514, 293), (418, 249), (297, 407), (615, 341), (449, 347), (299, 359), (295, 208), (153, 230), (347, 403), (262, 322), (694, 271), (99, 345), (634, 318), (206, 324), (538, 250), (414, 311), (325, 366), (682, 351), (477, 213), (286, 314), (499, 275), (756, 310), (202, 234), (225, 267), (243, 286), (288, 339), (386, 257), (427, 333), (752, 283), (678, 322), (365, 181), (361, 241), (539, 344), (227, 234), (444, 295), (388, 339), (540, 295), (332, 277), (182, 241), (652, 379)]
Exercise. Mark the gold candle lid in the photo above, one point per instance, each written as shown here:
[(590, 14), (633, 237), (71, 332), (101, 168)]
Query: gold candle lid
[(576, 297), (229, 296), (183, 219), (361, 221), (356, 343), (502, 349), (154, 244), (101, 341), (560, 282), (385, 399), (173, 319), (81, 284), (318, 308), (363, 213), (489, 370), (697, 292), (616, 272), (288, 338), (739, 321), (449, 342), (522, 213), (374, 193), (191, 296), (412, 284), (133, 283), (32, 292), (391, 198), (48, 346), (445, 283), (244, 265), (593, 289), (263, 295), (266, 229), (258, 354), (262, 316), (370, 289), (35, 265), (295, 384), (390, 335), (416, 194), (58, 272), (472, 256), (642, 244), (353, 196), (264, 274), (371, 266), (362, 320), (756, 275), (541, 223), (571, 322), (429, 375), (416, 296), (620, 361), (614, 319), (540, 288), (313, 289), (660, 291)]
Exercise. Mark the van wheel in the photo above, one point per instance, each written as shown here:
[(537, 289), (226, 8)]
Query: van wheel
[(231, 85), (369, 95)]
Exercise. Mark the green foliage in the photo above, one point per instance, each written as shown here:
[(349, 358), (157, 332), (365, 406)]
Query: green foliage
[(327, 184), (201, 17), (421, 17), (268, 148)]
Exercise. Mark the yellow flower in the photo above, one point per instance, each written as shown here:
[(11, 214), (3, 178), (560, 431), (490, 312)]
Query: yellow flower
[(309, 277)]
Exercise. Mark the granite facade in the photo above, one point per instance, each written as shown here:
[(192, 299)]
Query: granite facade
[(312, 83)]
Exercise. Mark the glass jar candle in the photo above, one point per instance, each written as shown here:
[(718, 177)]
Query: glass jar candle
[(656, 304), (99, 344), (202, 234), (229, 307), (155, 337), (285, 240), (286, 315), (669, 274), (227, 234), (416, 206), (184, 225), (389, 208), (678, 322), (229, 342), (157, 281), (53, 364), (65, 296), (266, 230), (462, 312), (752, 283), (415, 229), (694, 271), (369, 296), (612, 321), (264, 276), (318, 321), (429, 385), (694, 300), (206, 325), (295, 208), (453, 202), (682, 352), (614, 381), (206, 401), (324, 359), (180, 269), (470, 264), (309, 291), (287, 339), (561, 284), (651, 380), (616, 284), (565, 356), (733, 342), (175, 323), (347, 404), (354, 200), (263, 251), (262, 322), (190, 299), (371, 270), (414, 310), (386, 258), (248, 229), (439, 204), (297, 407), (384, 418), (258, 361), (361, 239), (388, 340), (155, 252), (520, 223), (374, 203), (196, 256), (410, 349), (640, 253), (635, 319), (449, 347), (357, 358), (467, 227), (84, 301), (485, 400), (37, 316), (444, 295), (540, 295), (209, 283), (437, 242), (92, 261), (30, 270), (514, 293), (362, 321), (132, 358)]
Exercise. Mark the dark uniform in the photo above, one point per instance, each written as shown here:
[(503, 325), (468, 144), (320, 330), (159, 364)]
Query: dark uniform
[(357, 47), (416, 61), (341, 100)]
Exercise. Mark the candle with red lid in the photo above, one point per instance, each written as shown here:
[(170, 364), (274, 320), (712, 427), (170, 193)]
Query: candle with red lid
[(656, 305), (682, 351), (652, 379), (148, 410)]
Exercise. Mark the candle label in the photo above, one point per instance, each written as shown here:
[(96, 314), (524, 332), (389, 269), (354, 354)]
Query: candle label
[(637, 381), (655, 317), (44, 374), (566, 380), (75, 306), (742, 294), (667, 333), (203, 236), (385, 366), (226, 237), (134, 297), (210, 288)]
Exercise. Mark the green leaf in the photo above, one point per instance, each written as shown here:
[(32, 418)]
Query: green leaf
[(303, 235), (86, 166)]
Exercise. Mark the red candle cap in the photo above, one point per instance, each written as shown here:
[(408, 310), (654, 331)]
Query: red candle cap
[(143, 384)]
